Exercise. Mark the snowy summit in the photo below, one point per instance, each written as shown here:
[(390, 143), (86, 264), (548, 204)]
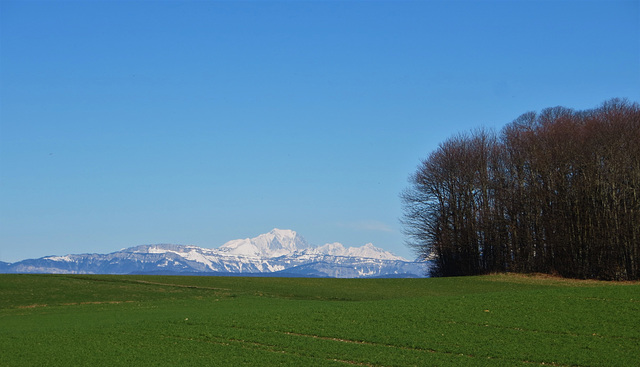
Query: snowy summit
[(278, 242)]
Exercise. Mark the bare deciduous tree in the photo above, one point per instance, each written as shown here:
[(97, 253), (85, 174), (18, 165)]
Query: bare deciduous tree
[(555, 192)]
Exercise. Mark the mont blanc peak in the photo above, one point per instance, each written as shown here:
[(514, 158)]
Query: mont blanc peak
[(278, 242)]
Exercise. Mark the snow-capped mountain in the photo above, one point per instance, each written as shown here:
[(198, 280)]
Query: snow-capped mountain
[(277, 253), (276, 243), (367, 251)]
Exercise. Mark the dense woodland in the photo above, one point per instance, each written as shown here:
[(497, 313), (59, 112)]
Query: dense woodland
[(554, 192)]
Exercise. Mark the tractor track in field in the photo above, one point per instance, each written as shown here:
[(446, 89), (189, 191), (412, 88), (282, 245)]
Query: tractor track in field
[(528, 330), (138, 281), (426, 350), (265, 347)]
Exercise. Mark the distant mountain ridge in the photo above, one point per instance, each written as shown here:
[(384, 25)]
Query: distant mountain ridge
[(276, 253)]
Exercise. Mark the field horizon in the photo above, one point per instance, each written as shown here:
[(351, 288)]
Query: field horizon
[(492, 320)]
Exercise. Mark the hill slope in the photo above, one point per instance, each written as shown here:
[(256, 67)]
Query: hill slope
[(123, 320)]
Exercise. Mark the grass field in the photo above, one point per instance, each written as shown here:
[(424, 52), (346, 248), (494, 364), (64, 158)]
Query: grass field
[(498, 320)]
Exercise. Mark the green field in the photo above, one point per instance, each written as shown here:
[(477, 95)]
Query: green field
[(497, 320)]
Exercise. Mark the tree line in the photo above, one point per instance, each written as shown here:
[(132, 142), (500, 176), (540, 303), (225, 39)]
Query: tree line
[(554, 192)]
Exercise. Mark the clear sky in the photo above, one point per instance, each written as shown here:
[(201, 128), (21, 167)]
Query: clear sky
[(193, 122)]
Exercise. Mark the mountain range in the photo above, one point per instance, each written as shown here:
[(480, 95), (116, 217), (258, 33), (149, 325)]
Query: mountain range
[(277, 253)]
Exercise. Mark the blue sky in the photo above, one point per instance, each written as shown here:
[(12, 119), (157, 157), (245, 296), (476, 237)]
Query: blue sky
[(125, 123)]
